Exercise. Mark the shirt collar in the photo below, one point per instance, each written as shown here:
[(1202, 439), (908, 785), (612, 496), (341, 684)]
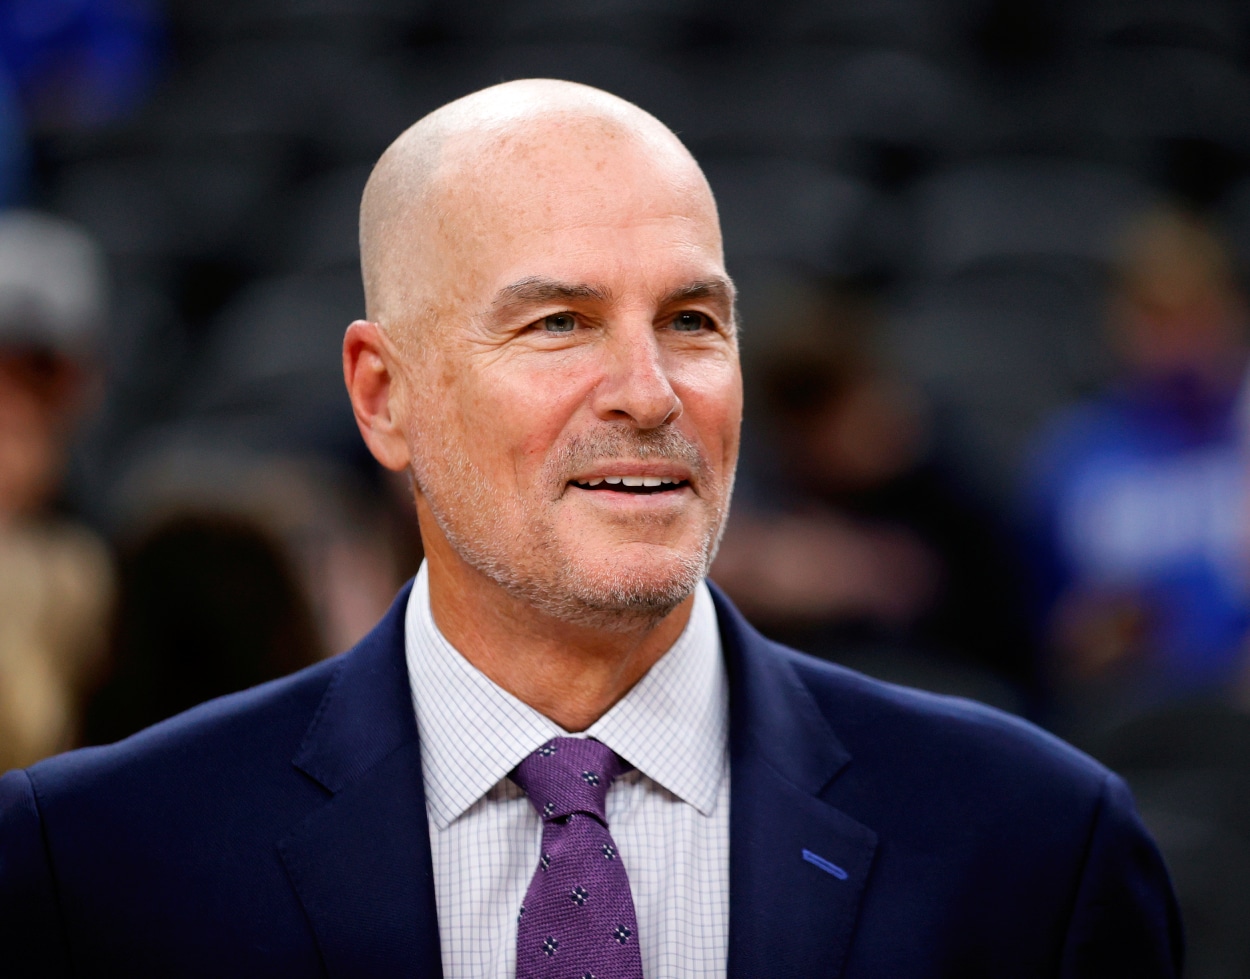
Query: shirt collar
[(672, 726)]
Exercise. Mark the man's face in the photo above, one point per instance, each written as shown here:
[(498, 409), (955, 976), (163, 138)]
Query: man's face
[(577, 396)]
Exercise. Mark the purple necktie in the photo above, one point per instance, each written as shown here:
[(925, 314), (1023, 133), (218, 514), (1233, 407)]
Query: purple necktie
[(578, 918)]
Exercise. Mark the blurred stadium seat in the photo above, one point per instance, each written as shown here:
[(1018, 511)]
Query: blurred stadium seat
[(272, 373), (912, 24), (644, 22), (167, 208), (768, 101), (1212, 25), (999, 349), (1151, 92), (787, 210), (1189, 768), (369, 23), (1024, 210), (312, 226)]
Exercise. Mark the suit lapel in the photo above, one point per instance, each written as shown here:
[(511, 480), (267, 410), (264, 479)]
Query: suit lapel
[(797, 865), (361, 862)]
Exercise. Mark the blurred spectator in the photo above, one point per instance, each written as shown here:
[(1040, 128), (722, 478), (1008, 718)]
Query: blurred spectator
[(209, 604), (1136, 500), (848, 528), (55, 575), (238, 567), (79, 63)]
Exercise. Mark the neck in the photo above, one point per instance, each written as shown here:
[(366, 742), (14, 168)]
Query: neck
[(571, 672)]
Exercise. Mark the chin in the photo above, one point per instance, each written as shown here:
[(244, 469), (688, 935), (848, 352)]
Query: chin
[(631, 582), (620, 589), (594, 575)]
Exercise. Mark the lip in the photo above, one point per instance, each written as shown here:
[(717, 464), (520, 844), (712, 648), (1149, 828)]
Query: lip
[(662, 470), (633, 502)]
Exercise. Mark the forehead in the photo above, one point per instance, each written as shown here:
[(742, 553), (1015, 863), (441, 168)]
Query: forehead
[(574, 189)]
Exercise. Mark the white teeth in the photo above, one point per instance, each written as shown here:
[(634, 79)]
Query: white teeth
[(649, 481)]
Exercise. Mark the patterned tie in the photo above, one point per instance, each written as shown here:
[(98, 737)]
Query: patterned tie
[(578, 919)]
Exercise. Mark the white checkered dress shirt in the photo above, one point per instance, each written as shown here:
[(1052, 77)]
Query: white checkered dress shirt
[(669, 817)]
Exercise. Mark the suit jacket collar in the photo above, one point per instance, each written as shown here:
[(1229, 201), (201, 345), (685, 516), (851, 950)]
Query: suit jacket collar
[(797, 864), (361, 862)]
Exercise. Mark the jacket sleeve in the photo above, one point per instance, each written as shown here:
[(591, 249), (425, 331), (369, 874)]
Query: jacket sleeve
[(32, 939), (1124, 921)]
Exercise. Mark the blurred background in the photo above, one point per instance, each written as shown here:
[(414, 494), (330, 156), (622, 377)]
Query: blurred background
[(992, 255)]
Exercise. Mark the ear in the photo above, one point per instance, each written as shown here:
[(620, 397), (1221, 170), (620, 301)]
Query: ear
[(370, 365)]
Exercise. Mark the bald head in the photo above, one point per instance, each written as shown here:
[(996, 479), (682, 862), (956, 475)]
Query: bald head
[(488, 163)]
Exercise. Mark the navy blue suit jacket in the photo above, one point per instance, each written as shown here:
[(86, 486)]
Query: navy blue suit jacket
[(282, 832)]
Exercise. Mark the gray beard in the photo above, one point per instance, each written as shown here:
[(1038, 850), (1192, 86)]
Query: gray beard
[(623, 600)]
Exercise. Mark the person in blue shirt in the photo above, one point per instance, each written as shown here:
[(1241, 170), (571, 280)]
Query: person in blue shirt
[(1137, 499)]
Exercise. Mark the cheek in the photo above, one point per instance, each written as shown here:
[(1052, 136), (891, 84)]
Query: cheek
[(514, 417), (712, 398)]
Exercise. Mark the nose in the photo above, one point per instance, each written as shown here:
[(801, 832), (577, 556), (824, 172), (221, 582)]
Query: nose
[(635, 385)]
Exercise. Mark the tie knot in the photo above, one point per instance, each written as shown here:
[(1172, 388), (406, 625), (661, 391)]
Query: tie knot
[(568, 775)]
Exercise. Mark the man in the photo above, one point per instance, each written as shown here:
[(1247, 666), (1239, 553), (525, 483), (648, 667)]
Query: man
[(550, 352)]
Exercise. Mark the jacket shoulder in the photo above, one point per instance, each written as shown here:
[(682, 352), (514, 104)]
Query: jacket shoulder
[(244, 730), (891, 726), (250, 737)]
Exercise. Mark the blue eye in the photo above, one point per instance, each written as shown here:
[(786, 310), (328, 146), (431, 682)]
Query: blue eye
[(690, 322), (559, 323)]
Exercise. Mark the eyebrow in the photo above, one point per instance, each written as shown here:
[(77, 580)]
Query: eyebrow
[(715, 289), (537, 290)]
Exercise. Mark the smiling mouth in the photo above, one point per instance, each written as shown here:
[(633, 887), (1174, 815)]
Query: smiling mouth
[(641, 485)]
